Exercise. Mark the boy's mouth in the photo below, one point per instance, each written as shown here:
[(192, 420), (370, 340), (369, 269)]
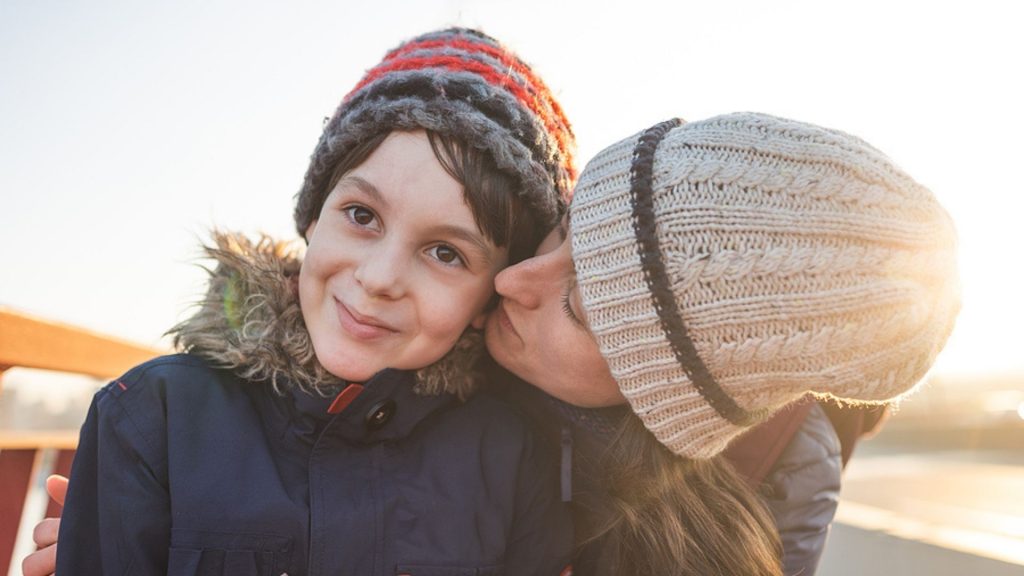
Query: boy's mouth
[(361, 325)]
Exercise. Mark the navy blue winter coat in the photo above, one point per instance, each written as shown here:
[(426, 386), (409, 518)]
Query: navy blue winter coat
[(183, 469)]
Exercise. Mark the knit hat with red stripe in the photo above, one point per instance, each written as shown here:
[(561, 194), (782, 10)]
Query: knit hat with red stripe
[(463, 83)]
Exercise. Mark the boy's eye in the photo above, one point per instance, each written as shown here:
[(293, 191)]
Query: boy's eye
[(446, 254), (360, 215)]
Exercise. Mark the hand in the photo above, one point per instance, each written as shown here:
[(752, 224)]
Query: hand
[(43, 562), (57, 488)]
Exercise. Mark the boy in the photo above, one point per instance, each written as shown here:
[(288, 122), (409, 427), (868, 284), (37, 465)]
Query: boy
[(330, 387)]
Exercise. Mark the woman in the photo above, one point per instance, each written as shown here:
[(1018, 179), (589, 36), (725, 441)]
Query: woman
[(714, 272)]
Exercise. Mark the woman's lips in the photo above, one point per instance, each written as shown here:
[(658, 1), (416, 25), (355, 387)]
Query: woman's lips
[(361, 326), (504, 320)]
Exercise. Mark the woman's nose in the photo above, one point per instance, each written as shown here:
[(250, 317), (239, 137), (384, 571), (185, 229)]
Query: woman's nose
[(523, 283)]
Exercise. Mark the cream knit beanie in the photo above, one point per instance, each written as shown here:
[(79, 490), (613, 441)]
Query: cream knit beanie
[(728, 267)]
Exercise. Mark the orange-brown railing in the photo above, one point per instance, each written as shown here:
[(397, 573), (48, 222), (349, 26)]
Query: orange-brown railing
[(29, 342)]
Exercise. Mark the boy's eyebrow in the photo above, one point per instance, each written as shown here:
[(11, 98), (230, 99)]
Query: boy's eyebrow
[(367, 188)]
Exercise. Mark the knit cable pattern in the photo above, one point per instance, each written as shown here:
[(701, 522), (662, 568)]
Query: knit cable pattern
[(799, 259)]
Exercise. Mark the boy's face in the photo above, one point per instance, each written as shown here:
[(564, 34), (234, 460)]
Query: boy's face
[(396, 267)]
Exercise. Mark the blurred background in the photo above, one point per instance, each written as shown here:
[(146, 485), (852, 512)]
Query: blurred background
[(128, 129)]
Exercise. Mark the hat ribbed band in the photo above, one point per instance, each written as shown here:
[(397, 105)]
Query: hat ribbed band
[(621, 310), (641, 190)]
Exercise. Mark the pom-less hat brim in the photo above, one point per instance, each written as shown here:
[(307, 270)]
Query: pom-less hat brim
[(462, 83)]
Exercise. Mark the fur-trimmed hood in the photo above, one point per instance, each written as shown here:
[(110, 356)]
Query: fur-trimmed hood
[(250, 322)]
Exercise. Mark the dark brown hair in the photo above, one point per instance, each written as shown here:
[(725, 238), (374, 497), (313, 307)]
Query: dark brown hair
[(491, 194), (659, 513)]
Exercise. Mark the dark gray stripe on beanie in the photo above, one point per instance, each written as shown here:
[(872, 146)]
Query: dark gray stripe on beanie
[(431, 84), (445, 116), (645, 227)]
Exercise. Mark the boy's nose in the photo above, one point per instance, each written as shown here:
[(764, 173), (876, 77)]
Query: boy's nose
[(381, 273)]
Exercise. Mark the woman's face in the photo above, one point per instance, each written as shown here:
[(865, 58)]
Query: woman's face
[(539, 331)]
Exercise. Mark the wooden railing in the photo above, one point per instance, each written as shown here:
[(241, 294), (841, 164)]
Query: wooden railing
[(29, 342)]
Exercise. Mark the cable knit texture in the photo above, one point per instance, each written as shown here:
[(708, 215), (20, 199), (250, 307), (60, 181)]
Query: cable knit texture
[(798, 258)]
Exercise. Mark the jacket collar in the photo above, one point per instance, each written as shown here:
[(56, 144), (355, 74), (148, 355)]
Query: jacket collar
[(386, 408), (250, 322)]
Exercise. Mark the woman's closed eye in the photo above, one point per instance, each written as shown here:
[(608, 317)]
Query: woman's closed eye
[(567, 306)]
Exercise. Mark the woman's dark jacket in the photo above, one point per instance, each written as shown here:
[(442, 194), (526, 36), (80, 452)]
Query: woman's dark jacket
[(792, 461), (801, 486)]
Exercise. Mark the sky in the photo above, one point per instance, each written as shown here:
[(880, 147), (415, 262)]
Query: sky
[(129, 129)]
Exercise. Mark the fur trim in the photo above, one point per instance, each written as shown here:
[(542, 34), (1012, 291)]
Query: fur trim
[(459, 372), (250, 322)]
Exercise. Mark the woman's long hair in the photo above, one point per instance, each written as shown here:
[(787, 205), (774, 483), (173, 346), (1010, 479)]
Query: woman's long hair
[(659, 513)]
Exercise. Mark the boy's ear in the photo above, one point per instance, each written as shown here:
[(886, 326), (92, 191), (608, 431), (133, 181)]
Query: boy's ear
[(309, 230)]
